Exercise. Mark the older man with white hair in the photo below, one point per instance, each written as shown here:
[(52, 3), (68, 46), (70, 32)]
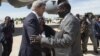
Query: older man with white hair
[(31, 27)]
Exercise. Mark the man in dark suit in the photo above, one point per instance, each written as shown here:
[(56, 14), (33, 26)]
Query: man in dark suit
[(31, 27)]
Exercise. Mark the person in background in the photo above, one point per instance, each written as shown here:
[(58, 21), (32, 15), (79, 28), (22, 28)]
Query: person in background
[(90, 32), (84, 33), (1, 38), (78, 16), (8, 31), (97, 30), (13, 26)]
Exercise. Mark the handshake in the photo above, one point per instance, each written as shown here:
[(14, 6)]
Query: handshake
[(34, 39)]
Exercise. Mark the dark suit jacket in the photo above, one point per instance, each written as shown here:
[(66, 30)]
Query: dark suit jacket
[(30, 27), (1, 32), (48, 31), (97, 29), (7, 31)]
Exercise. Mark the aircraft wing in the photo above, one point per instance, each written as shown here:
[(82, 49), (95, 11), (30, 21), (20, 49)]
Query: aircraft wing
[(17, 3), (51, 5)]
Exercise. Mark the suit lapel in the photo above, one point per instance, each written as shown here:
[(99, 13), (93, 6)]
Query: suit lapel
[(64, 21), (38, 24)]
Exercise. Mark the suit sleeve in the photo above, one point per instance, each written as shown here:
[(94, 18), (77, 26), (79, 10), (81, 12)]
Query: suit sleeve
[(64, 38)]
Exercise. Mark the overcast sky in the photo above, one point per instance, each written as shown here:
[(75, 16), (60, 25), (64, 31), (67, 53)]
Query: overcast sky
[(78, 6), (83, 6)]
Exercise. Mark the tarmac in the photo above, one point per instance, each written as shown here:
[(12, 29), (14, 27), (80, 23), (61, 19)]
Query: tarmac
[(17, 42)]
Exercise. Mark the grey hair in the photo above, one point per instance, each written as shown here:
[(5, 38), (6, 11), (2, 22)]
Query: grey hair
[(37, 4)]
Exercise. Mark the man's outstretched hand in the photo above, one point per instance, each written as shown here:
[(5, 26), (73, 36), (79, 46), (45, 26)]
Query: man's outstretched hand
[(35, 39)]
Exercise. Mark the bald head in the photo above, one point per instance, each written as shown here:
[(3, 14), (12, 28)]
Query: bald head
[(64, 6), (63, 9)]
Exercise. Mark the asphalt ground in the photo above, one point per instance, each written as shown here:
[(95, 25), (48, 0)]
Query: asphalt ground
[(17, 41)]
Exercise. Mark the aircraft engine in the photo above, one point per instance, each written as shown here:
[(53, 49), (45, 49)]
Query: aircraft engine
[(51, 5)]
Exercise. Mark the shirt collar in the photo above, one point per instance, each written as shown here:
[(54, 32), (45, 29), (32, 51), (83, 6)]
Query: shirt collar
[(36, 14), (66, 16)]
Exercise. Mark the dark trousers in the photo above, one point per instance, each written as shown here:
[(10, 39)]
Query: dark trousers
[(98, 39), (84, 42), (84, 37), (98, 42), (48, 51), (7, 46)]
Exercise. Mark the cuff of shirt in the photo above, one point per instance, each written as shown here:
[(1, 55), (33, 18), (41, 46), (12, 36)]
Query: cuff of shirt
[(44, 40)]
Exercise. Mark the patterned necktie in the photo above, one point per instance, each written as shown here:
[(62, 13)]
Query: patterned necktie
[(41, 22)]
